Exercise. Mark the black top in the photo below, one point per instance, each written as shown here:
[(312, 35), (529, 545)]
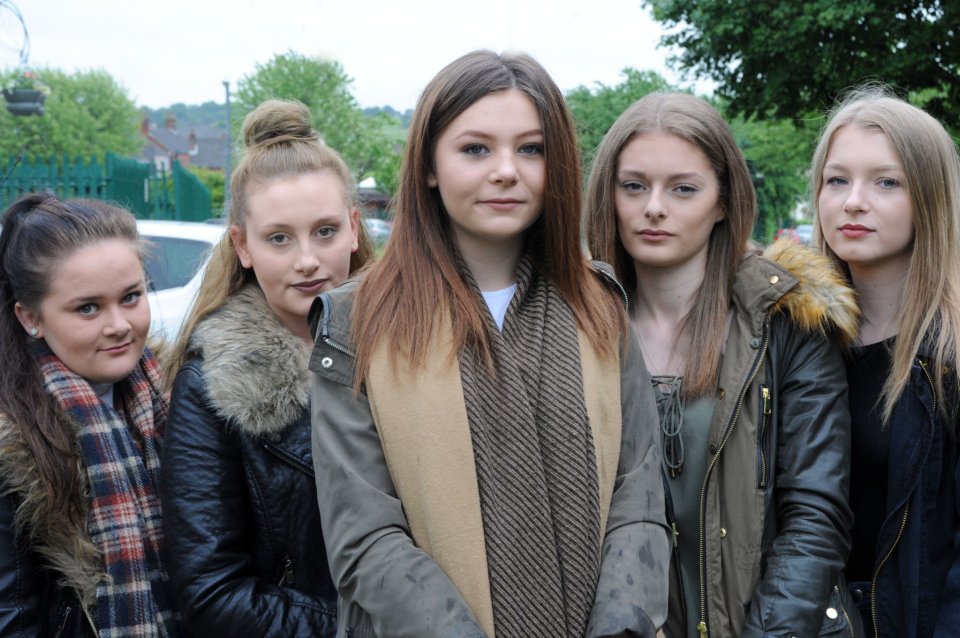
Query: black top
[(867, 371)]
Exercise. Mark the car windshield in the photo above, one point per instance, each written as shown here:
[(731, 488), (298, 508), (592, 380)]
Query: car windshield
[(172, 261)]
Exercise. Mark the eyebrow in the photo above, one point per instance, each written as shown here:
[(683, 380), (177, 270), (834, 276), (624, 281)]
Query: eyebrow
[(127, 290), (673, 176), (884, 167), (487, 136), (323, 218)]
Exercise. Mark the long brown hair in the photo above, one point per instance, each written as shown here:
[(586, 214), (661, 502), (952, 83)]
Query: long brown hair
[(280, 142), (417, 281), (929, 313), (39, 233), (695, 121)]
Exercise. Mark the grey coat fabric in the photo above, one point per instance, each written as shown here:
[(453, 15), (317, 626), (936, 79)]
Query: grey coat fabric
[(388, 585)]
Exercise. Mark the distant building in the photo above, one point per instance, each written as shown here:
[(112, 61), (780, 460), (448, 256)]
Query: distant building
[(199, 146)]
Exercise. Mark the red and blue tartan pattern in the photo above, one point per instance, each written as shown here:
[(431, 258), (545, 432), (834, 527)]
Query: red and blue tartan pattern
[(121, 451)]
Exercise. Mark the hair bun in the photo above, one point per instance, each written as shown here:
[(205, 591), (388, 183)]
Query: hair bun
[(277, 121)]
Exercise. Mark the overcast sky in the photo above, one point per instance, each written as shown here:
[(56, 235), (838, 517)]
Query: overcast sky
[(183, 50)]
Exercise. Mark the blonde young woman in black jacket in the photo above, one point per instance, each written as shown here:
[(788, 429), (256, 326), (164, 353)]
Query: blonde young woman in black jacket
[(246, 547)]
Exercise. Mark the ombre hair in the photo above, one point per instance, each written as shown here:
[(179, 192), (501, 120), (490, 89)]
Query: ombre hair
[(280, 142), (929, 315), (417, 280), (692, 120)]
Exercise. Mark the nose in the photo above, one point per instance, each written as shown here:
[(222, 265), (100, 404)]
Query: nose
[(654, 209), (306, 262), (855, 201), (118, 325), (505, 169)]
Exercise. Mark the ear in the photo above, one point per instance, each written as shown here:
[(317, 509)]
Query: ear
[(28, 319), (432, 180), (721, 214), (239, 238), (354, 216)]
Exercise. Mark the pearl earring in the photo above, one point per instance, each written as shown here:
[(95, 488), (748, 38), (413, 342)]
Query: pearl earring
[(34, 332)]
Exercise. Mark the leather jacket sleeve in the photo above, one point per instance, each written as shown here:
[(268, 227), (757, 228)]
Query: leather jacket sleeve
[(21, 611), (206, 513), (632, 590), (813, 517), (378, 570)]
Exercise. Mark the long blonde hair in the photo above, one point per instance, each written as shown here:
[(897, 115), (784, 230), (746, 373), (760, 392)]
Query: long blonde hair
[(693, 120), (279, 141), (929, 313)]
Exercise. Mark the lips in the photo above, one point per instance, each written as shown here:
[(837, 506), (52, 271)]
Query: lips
[(120, 349), (313, 286), (502, 203), (855, 230), (652, 235)]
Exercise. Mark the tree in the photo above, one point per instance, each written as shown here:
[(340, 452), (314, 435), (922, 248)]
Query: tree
[(324, 87), (595, 110), (87, 113), (787, 59)]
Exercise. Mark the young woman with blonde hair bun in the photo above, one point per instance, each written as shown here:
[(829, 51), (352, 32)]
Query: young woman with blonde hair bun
[(245, 535)]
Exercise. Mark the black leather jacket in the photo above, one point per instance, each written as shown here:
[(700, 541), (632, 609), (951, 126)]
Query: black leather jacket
[(246, 551)]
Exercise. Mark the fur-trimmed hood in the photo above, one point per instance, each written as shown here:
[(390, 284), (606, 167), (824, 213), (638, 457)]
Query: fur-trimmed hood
[(820, 299), (255, 369)]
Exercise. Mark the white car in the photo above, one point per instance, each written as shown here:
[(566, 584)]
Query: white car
[(177, 255)]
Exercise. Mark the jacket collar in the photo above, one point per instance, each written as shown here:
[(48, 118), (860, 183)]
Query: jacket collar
[(792, 278), (255, 369)]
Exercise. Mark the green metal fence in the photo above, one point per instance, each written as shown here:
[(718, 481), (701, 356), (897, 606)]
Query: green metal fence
[(138, 186)]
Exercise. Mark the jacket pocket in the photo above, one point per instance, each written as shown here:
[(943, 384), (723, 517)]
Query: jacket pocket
[(763, 455)]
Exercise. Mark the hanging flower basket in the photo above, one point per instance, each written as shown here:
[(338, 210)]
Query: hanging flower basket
[(20, 96), (25, 94)]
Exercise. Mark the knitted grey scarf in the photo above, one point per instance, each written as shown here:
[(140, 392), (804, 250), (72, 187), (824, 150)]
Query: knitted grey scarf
[(536, 466)]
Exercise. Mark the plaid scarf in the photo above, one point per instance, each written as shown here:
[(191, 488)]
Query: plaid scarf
[(536, 465), (121, 451)]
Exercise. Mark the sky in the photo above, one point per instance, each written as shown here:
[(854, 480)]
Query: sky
[(183, 50)]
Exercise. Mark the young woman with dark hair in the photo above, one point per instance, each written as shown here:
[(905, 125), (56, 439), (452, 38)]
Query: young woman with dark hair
[(484, 437), (82, 413)]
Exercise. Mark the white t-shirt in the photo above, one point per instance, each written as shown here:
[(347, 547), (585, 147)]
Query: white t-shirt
[(498, 301)]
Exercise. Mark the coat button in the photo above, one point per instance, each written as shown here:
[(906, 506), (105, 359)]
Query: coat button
[(754, 343), (774, 280), (713, 448), (723, 532), (326, 362), (832, 613), (857, 594)]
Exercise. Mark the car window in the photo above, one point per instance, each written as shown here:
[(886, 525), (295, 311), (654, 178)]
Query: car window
[(172, 261)]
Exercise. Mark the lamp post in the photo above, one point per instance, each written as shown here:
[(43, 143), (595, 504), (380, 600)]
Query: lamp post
[(226, 182)]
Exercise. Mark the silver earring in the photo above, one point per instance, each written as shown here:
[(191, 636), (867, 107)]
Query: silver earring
[(34, 332)]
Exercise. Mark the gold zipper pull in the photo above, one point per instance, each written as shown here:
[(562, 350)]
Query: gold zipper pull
[(676, 534), (767, 408), (702, 628)]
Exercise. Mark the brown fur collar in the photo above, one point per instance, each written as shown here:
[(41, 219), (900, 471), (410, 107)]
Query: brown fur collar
[(822, 300), (66, 548), (254, 367)]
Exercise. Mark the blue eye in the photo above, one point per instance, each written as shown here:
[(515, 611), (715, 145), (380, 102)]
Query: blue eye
[(633, 187), (278, 239), (686, 189), (475, 149), (88, 309), (132, 298), (326, 232), (531, 149), (888, 183), (837, 181)]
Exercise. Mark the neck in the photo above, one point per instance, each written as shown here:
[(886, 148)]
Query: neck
[(667, 294), (492, 264), (664, 297), (879, 291)]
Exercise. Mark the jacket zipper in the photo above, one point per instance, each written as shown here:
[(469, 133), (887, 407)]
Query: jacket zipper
[(751, 375), (286, 460), (616, 282), (843, 609), (86, 614), (903, 521), (325, 328), (765, 412), (287, 578)]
